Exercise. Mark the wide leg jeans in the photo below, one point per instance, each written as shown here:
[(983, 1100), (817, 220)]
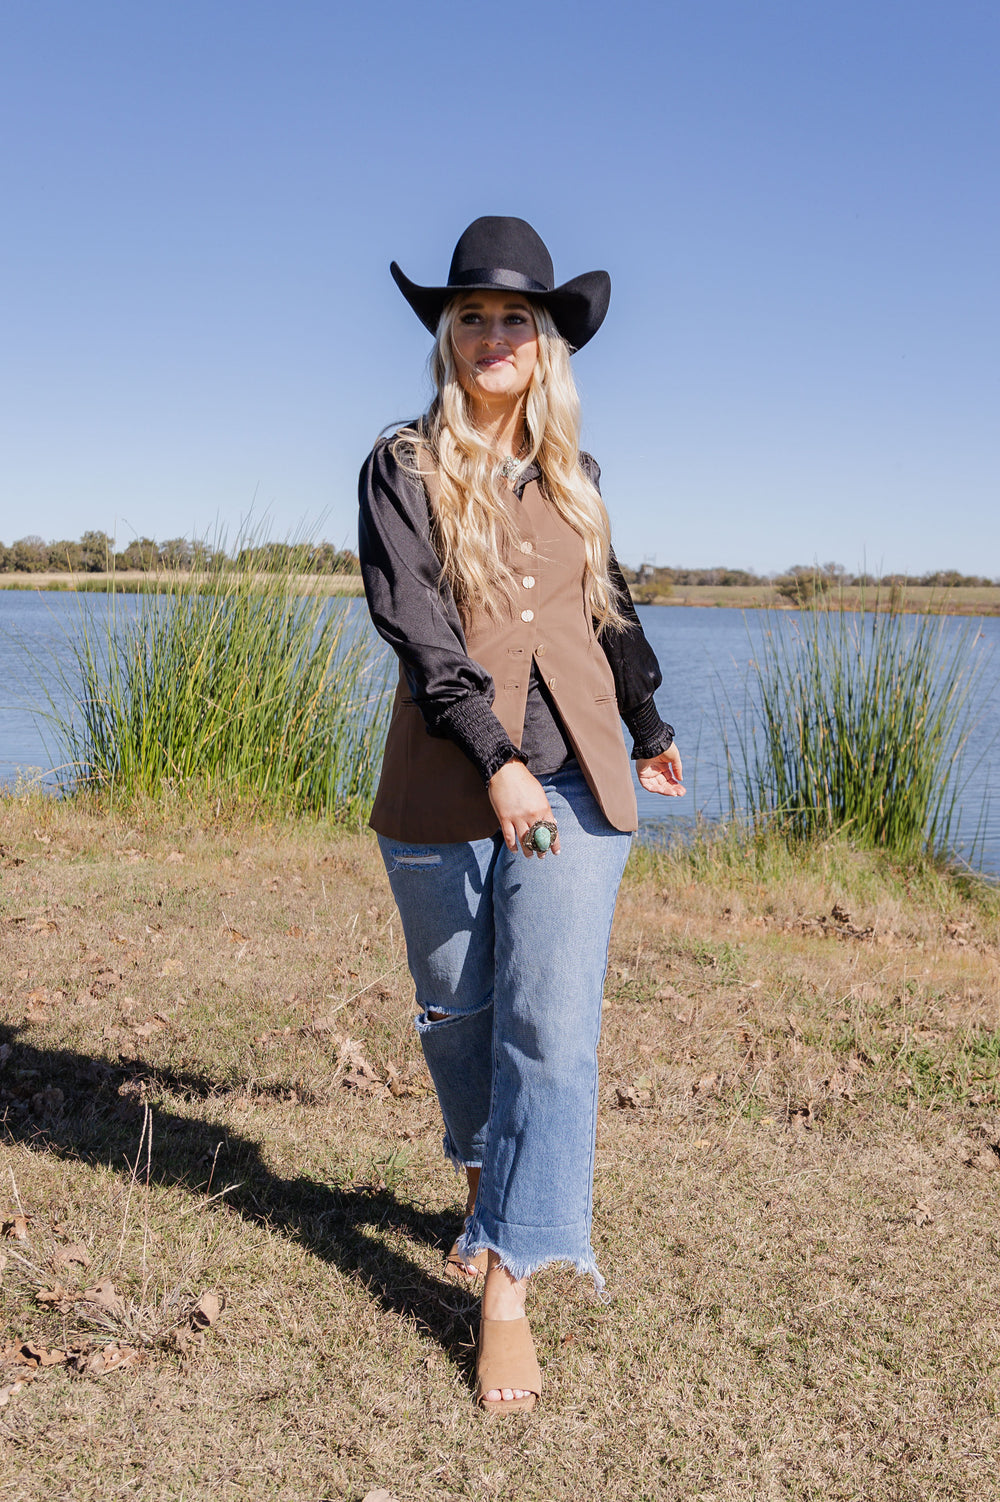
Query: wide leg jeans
[(510, 954)]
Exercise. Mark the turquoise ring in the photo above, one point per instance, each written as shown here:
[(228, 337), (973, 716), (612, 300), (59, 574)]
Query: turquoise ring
[(541, 835)]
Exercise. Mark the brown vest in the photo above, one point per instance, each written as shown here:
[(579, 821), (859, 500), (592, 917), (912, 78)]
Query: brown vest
[(429, 791)]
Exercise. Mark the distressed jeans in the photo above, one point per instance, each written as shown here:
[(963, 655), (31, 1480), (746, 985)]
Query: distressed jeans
[(513, 953)]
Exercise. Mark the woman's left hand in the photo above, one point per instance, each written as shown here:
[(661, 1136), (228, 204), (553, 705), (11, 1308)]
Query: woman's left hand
[(662, 774)]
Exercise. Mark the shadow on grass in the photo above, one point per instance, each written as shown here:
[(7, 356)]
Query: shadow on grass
[(97, 1121)]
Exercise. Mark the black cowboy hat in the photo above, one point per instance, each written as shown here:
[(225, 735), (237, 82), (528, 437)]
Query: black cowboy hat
[(506, 255)]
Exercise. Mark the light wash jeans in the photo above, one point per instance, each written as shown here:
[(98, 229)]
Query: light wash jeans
[(514, 952)]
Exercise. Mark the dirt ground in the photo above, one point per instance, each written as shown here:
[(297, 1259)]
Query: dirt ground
[(224, 1206)]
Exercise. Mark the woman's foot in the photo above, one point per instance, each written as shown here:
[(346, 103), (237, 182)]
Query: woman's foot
[(503, 1301)]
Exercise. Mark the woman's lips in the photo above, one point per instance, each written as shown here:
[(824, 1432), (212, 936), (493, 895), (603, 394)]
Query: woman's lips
[(488, 360)]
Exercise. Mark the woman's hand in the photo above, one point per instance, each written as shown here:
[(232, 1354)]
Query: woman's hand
[(519, 802), (662, 774)]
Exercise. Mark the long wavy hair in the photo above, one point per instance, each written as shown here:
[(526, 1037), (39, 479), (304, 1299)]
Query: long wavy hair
[(473, 530)]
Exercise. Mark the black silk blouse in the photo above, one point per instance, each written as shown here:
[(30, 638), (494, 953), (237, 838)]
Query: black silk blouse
[(413, 609)]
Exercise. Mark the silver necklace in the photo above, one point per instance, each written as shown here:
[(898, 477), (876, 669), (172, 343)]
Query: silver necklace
[(510, 467)]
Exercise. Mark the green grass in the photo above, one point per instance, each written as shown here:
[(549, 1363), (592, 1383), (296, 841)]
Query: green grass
[(255, 688), (860, 722)]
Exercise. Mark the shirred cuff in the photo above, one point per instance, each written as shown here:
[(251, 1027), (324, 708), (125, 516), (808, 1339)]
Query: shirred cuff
[(652, 736), (475, 729)]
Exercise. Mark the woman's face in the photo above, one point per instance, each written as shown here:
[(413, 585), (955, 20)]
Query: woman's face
[(496, 348)]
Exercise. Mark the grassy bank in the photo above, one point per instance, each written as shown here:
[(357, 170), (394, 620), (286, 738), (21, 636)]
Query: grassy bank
[(255, 689), (137, 582), (210, 1085), (915, 600), (918, 599)]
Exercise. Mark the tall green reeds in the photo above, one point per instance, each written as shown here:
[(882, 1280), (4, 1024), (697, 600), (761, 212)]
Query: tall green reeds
[(859, 722), (239, 684)]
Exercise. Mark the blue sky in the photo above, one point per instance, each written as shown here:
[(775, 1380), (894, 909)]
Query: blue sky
[(797, 202)]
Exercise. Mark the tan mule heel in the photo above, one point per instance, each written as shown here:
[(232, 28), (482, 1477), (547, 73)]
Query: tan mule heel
[(507, 1359), (455, 1265)]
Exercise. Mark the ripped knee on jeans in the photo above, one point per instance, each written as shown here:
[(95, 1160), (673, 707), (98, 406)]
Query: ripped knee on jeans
[(439, 1013), (406, 858)]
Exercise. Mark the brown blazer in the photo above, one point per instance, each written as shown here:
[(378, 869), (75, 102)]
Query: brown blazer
[(429, 791)]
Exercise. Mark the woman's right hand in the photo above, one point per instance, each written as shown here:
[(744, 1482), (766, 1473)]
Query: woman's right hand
[(519, 802)]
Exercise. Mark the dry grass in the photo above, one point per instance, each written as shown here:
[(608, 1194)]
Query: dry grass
[(795, 1198), (131, 579), (917, 598)]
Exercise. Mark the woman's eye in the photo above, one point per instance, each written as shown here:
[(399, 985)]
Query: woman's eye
[(469, 318), (516, 318)]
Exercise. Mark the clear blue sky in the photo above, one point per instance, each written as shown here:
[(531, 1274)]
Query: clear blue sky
[(797, 201)]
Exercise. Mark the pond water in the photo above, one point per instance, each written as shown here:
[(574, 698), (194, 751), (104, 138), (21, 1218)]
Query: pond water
[(704, 653)]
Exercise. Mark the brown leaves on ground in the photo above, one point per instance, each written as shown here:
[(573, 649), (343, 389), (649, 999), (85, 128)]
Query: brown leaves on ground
[(17, 1229), (105, 1296), (199, 1318), (57, 1298), (157, 1023), (709, 1085), (986, 1155), (632, 1097), (102, 1304), (104, 982), (360, 1074), (89, 1358), (839, 925)]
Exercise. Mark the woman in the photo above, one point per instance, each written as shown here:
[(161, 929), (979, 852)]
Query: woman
[(505, 806)]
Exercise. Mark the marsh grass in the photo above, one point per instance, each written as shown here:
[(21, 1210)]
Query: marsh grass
[(246, 686), (858, 721)]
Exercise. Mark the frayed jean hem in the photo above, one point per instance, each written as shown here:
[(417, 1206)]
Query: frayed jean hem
[(473, 1240), (458, 1163)]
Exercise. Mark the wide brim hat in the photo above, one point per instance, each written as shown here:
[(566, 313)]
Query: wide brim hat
[(507, 255)]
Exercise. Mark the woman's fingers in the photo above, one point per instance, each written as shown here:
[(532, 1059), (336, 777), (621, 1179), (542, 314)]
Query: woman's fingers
[(527, 840), (520, 804), (662, 774)]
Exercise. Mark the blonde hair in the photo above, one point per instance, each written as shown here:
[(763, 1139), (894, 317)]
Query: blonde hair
[(473, 530)]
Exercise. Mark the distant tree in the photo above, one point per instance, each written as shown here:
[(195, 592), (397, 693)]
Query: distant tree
[(205, 556), (29, 555), (65, 557), (176, 554), (803, 584), (141, 553), (98, 550), (326, 559)]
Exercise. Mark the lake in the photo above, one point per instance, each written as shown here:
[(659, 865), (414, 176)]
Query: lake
[(704, 655)]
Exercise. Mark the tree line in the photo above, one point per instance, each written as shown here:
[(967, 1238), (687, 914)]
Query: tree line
[(96, 553), (800, 583)]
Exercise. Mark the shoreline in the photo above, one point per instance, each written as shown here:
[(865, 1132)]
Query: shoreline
[(917, 600), (137, 581)]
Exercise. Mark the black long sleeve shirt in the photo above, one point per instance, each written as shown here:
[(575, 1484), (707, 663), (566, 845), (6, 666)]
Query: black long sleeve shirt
[(413, 609)]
